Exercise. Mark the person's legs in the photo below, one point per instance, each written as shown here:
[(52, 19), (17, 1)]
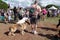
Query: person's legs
[(34, 25), (35, 28), (9, 18), (15, 17), (43, 16)]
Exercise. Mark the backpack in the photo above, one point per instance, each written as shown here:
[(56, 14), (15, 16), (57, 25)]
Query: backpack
[(32, 10)]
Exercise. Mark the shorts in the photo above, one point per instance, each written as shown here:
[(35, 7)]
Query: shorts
[(33, 20)]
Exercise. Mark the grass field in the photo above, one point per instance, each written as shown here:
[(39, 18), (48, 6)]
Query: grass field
[(53, 20)]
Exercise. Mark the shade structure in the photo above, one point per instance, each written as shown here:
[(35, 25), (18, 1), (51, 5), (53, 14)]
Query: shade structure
[(53, 8)]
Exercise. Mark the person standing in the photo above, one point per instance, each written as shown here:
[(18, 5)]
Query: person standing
[(33, 12), (44, 12), (21, 13), (27, 13), (15, 13), (9, 11), (2, 15)]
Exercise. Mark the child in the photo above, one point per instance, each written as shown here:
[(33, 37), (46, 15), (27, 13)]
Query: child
[(44, 11)]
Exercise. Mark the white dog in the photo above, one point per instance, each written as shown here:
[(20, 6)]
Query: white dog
[(21, 23), (22, 20)]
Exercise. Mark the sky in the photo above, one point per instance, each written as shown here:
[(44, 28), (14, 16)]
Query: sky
[(22, 3), (25, 3), (45, 2)]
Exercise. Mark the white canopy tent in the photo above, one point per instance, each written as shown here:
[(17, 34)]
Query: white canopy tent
[(53, 8)]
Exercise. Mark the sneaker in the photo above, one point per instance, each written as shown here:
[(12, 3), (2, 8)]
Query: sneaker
[(35, 32)]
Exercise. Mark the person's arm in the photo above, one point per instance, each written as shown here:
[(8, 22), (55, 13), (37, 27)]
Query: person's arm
[(39, 8)]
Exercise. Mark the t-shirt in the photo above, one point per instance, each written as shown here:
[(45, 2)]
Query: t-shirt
[(21, 12), (44, 11)]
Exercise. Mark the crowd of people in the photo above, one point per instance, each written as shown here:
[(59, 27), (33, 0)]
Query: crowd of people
[(33, 13)]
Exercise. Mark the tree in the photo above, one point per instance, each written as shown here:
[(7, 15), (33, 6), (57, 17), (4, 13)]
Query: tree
[(3, 5)]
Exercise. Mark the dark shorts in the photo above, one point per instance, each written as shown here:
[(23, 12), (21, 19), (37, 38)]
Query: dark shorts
[(33, 20)]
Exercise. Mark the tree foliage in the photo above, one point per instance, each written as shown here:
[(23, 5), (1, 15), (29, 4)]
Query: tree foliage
[(3, 5)]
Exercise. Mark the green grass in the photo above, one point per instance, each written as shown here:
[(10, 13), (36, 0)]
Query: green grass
[(53, 20)]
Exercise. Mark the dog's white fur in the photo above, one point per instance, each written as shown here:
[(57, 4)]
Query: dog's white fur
[(22, 20), (21, 23)]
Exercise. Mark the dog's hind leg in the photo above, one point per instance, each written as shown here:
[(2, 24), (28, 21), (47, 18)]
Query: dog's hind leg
[(13, 34)]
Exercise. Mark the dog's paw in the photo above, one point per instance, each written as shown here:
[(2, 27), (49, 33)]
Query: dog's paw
[(13, 34), (22, 32), (9, 33)]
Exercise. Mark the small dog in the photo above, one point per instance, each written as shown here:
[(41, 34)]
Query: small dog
[(22, 24)]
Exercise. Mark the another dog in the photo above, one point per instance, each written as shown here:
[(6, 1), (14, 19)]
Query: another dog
[(21, 23)]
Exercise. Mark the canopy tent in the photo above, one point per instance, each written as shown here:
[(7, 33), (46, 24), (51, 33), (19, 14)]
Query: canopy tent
[(53, 8), (18, 3)]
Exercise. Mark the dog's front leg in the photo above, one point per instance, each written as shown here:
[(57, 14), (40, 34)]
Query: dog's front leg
[(13, 34), (9, 33), (22, 32)]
